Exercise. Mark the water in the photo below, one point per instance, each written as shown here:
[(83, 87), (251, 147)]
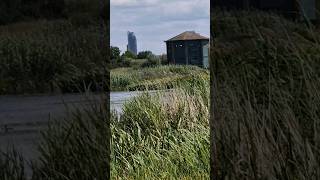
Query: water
[(23, 117), (117, 99)]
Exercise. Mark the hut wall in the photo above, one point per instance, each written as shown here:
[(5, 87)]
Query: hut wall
[(206, 56), (194, 52), (186, 52), (170, 53), (176, 52)]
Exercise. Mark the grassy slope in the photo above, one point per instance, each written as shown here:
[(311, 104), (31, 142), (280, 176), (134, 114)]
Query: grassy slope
[(265, 81), (159, 77)]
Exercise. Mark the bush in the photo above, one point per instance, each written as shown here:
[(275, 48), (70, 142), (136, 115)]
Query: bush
[(129, 54), (114, 53), (152, 60), (164, 59), (144, 54)]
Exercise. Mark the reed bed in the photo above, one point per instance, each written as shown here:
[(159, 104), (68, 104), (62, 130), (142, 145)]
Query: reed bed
[(165, 136), (51, 56), (162, 136), (12, 165), (154, 78), (265, 98)]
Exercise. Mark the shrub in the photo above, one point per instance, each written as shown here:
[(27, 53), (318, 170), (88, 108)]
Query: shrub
[(152, 60), (129, 54), (144, 54)]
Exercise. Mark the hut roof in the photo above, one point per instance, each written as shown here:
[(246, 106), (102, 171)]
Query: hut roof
[(188, 35)]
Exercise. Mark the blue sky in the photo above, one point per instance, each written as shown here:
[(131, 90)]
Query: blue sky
[(154, 21)]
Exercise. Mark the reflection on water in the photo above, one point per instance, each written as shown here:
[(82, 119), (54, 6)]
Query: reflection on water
[(117, 99)]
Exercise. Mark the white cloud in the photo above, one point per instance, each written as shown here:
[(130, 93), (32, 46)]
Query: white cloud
[(122, 2), (133, 2), (154, 21)]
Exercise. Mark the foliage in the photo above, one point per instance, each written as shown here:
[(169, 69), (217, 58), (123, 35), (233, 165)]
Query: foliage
[(144, 54), (129, 54), (163, 59), (152, 60), (115, 53)]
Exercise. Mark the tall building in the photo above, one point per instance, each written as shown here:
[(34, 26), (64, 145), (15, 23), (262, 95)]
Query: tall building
[(132, 43)]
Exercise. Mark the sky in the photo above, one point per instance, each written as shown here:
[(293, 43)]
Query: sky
[(155, 21)]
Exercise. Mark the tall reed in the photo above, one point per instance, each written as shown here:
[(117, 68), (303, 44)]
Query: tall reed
[(265, 99), (165, 136), (56, 56), (78, 147), (159, 77), (12, 165)]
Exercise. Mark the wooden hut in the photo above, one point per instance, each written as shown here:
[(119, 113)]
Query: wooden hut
[(188, 48), (289, 8)]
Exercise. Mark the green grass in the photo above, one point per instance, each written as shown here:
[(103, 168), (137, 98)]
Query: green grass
[(165, 136), (265, 103), (159, 77)]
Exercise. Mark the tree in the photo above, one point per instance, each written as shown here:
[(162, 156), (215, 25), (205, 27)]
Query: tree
[(129, 54), (114, 53), (164, 59), (144, 54)]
